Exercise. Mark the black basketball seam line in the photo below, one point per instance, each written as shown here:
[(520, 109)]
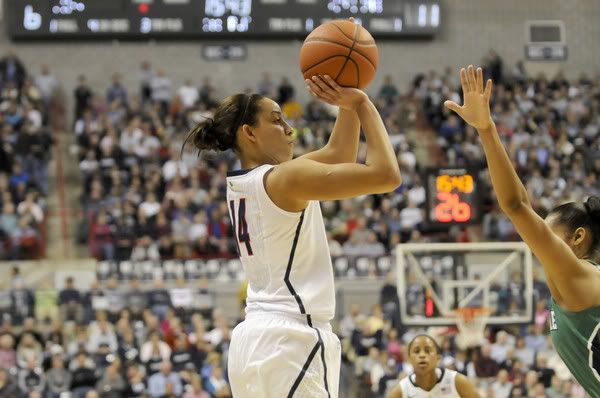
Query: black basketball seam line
[(346, 36), (356, 32), (323, 60), (342, 45), (357, 71), (350, 59)]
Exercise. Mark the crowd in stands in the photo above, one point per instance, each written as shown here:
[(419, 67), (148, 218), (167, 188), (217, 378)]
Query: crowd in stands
[(145, 199), (25, 143), (550, 126), (111, 342), (171, 341)]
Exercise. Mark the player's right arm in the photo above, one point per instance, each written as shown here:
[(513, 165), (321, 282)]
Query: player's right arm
[(292, 184), (396, 392)]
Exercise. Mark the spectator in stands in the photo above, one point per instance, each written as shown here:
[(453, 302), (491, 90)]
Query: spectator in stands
[(388, 91), (485, 366), (31, 378), (216, 385), (111, 384), (116, 91), (12, 69), (8, 389), (47, 83), (154, 352), (161, 90), (145, 249), (83, 96), (8, 355), (101, 332), (157, 383), (181, 357), (188, 94), (70, 302), (196, 389), (266, 87), (29, 350), (501, 386), (83, 377), (135, 298), (524, 352), (59, 378)]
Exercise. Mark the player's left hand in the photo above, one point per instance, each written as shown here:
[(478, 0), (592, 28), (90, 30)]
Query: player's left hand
[(476, 108)]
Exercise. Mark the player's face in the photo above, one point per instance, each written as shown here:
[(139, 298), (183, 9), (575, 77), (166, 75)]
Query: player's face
[(274, 136), (423, 355)]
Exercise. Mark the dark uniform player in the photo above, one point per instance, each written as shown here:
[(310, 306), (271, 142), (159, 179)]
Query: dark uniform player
[(566, 242)]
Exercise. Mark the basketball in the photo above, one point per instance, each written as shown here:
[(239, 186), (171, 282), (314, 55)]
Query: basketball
[(343, 50)]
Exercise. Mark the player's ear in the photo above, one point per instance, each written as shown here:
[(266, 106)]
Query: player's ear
[(248, 132), (578, 236)]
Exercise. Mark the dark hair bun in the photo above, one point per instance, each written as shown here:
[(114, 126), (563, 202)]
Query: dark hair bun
[(592, 206), (208, 135)]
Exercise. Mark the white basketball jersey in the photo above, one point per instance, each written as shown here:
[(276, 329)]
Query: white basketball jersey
[(445, 387), (285, 255)]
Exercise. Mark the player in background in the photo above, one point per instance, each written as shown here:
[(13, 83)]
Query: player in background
[(427, 379), (285, 347), (566, 242)]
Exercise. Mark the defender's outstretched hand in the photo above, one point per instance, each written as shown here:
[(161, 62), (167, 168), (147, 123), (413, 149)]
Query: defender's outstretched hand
[(476, 109)]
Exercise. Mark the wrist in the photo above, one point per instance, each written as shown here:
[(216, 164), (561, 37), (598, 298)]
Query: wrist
[(362, 104), (487, 128)]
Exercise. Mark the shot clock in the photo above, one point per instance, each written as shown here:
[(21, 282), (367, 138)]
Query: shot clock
[(452, 196)]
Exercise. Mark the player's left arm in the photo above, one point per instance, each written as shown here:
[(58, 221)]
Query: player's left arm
[(464, 387), (342, 146)]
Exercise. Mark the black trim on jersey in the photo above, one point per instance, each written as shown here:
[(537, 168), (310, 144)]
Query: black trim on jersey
[(239, 172), (286, 278), (443, 371), (323, 360), (320, 344), (303, 371)]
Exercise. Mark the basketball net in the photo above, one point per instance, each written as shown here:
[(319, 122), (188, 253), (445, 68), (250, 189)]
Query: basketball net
[(471, 322)]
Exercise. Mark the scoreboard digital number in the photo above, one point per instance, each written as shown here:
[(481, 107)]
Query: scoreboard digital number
[(452, 196), (188, 19)]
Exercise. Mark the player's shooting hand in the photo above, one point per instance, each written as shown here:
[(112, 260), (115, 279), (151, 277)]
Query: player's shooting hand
[(327, 90), (476, 108)]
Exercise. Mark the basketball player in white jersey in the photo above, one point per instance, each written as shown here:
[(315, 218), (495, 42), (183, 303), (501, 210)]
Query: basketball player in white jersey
[(427, 380), (285, 347)]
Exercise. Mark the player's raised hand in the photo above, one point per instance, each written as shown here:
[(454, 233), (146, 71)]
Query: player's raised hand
[(327, 90), (476, 108)]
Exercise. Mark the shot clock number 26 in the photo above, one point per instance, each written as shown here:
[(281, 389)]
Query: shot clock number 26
[(452, 196)]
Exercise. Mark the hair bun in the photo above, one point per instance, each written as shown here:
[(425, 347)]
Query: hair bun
[(592, 206)]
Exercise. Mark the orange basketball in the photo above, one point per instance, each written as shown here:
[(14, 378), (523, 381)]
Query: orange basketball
[(343, 50)]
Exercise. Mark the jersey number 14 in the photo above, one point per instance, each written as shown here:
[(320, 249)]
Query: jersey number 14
[(240, 228)]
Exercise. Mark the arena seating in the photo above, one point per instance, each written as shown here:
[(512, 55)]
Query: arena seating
[(25, 143), (151, 216)]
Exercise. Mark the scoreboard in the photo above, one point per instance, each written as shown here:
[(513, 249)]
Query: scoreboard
[(203, 19), (452, 196)]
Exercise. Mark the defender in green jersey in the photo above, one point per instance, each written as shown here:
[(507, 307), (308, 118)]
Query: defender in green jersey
[(567, 242)]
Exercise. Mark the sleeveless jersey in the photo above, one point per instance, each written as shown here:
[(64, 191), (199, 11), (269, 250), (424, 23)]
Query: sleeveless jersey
[(576, 337), (285, 255), (444, 388)]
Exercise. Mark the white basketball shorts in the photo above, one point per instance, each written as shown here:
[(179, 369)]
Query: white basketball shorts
[(283, 356)]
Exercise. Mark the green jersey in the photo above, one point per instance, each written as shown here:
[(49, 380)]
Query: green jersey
[(576, 337)]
